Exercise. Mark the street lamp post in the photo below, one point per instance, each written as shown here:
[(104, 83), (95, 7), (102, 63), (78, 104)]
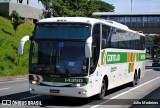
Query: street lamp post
[(131, 5)]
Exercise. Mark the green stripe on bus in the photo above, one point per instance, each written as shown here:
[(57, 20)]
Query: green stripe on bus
[(131, 57), (129, 67), (120, 57), (141, 56), (113, 57), (116, 57)]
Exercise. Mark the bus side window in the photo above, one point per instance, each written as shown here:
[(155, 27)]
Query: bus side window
[(114, 42), (142, 41), (105, 35)]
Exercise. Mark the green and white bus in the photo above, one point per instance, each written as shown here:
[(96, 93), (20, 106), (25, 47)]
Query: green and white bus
[(82, 57)]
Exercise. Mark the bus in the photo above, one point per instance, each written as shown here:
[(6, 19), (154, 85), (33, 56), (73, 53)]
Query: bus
[(83, 57)]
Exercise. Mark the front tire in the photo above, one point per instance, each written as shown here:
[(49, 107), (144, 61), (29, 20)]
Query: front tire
[(101, 95)]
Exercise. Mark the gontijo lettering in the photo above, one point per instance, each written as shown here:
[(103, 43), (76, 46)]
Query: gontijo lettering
[(113, 57)]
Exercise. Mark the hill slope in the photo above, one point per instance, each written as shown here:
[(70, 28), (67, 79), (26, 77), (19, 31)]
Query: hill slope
[(9, 41)]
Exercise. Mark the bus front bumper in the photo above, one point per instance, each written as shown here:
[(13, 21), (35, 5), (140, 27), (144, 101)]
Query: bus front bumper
[(59, 91)]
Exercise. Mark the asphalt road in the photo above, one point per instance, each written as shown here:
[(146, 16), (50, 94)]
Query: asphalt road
[(121, 97)]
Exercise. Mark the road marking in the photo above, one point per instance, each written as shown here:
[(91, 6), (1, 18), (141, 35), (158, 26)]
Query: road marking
[(5, 88), (30, 97), (148, 69), (125, 92), (14, 81)]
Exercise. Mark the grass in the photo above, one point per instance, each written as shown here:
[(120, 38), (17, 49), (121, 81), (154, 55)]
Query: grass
[(9, 40)]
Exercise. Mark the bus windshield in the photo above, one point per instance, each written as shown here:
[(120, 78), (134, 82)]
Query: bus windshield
[(62, 31), (58, 58)]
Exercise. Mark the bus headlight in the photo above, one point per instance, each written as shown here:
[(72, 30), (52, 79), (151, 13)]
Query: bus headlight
[(34, 82), (78, 84)]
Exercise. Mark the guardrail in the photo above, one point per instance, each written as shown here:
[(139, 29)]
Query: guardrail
[(4, 0), (150, 67)]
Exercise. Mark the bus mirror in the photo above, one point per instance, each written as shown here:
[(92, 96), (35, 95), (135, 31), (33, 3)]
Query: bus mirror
[(103, 43), (88, 48), (21, 44)]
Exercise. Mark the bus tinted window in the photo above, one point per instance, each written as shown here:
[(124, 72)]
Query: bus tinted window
[(62, 31), (105, 35), (126, 40)]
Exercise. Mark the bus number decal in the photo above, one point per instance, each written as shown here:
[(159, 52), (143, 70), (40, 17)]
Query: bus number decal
[(73, 80)]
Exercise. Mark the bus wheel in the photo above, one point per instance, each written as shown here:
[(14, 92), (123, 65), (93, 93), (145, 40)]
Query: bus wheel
[(135, 80), (101, 95)]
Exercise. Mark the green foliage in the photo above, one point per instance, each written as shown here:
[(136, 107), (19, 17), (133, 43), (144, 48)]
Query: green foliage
[(153, 38), (73, 7), (149, 38), (156, 39), (104, 7), (9, 48), (81, 8), (16, 20), (45, 3)]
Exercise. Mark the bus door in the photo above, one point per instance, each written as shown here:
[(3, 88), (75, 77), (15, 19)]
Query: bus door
[(113, 73), (95, 54)]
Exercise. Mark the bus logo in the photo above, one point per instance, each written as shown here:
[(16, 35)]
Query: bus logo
[(113, 57), (110, 58)]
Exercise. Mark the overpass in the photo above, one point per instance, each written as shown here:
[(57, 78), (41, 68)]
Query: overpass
[(149, 23)]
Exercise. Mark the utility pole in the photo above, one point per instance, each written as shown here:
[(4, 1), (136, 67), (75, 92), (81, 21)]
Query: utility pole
[(131, 5), (27, 2)]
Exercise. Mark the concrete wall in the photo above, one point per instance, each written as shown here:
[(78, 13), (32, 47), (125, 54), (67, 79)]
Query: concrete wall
[(24, 11)]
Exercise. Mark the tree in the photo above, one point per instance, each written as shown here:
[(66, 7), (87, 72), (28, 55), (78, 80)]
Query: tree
[(83, 8), (156, 39), (156, 47), (16, 20), (47, 5), (104, 7), (73, 8)]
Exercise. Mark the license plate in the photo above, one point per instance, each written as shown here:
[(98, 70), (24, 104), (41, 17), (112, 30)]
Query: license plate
[(54, 91)]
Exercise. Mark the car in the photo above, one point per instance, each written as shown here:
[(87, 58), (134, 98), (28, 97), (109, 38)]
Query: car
[(148, 56), (156, 63)]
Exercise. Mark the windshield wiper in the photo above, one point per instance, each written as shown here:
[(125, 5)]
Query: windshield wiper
[(67, 72), (64, 66)]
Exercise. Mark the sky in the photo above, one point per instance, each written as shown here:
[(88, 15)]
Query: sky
[(137, 5), (120, 5)]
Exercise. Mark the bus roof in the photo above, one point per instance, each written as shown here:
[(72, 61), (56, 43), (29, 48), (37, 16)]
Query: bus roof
[(89, 21)]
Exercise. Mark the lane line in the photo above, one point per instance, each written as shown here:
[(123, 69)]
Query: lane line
[(126, 92), (5, 88), (14, 81), (29, 97), (135, 88), (148, 70)]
